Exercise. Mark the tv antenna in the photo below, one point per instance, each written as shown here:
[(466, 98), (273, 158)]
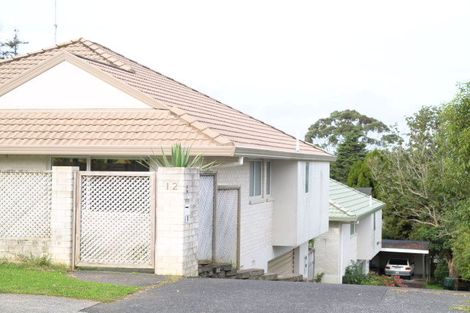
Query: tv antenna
[(55, 21)]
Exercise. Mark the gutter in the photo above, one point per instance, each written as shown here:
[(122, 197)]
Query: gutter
[(261, 153)]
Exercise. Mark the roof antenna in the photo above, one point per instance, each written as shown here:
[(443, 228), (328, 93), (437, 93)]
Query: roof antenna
[(55, 21), (297, 143)]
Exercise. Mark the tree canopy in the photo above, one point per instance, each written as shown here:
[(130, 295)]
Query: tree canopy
[(425, 182), (349, 134)]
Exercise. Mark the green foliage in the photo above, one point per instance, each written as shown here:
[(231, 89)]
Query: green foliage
[(374, 279), (461, 249), (354, 274), (440, 272), (27, 278), (349, 152), (9, 47), (334, 129), (350, 134), (360, 174), (180, 157), (319, 277)]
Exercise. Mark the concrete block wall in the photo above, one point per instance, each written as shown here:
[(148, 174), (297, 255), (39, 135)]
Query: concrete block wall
[(176, 231), (61, 243), (57, 246)]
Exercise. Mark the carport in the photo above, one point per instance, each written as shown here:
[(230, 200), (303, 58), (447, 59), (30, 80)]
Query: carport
[(416, 251)]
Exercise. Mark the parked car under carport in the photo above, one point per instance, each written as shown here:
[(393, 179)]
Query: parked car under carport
[(417, 252)]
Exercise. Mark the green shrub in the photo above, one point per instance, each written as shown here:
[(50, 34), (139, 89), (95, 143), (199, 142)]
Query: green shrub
[(354, 274), (441, 272), (319, 277)]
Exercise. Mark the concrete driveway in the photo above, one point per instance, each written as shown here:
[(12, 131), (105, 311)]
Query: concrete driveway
[(233, 296), (12, 303)]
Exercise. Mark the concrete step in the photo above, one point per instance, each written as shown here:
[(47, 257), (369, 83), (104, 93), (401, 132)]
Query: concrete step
[(267, 276), (290, 277), (250, 273)]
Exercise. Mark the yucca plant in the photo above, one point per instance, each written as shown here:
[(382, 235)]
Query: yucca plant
[(180, 157)]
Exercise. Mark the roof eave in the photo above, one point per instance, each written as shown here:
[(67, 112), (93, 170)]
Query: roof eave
[(224, 151), (273, 154)]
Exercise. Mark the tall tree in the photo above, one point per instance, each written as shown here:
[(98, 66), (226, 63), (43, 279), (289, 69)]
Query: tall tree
[(9, 48), (349, 134)]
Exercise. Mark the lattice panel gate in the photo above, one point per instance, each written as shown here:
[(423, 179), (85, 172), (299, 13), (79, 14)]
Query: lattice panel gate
[(116, 219), (206, 217), (226, 228), (25, 204)]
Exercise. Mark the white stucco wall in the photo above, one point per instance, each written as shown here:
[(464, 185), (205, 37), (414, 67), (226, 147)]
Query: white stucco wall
[(257, 226), (24, 162), (67, 87), (369, 240), (255, 219), (299, 216), (348, 247)]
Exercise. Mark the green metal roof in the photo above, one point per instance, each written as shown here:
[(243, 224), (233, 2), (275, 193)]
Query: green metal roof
[(348, 204)]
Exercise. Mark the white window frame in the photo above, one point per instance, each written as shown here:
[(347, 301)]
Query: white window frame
[(252, 180), (268, 176), (352, 229)]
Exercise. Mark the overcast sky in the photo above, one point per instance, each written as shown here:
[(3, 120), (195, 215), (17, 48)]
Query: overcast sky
[(288, 63)]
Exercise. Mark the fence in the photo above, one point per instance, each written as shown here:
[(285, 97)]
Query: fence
[(103, 218), (25, 212)]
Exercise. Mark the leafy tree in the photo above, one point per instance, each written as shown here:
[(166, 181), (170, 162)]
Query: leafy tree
[(350, 134), (409, 180), (9, 48), (331, 131), (360, 174), (349, 152), (454, 140)]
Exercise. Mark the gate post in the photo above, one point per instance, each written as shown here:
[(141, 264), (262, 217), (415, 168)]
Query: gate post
[(177, 221), (60, 249)]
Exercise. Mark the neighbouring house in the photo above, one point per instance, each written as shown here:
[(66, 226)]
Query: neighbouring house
[(354, 234), (80, 106), (417, 252)]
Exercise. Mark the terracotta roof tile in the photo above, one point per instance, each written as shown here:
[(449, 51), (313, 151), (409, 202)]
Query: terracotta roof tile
[(217, 120), (154, 128)]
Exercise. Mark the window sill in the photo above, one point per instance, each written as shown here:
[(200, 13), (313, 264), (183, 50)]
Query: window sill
[(257, 201)]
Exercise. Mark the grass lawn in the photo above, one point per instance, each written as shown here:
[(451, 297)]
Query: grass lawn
[(55, 281)]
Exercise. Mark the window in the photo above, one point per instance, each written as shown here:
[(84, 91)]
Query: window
[(307, 176), (256, 173), (117, 165), (268, 178), (352, 228), (80, 162)]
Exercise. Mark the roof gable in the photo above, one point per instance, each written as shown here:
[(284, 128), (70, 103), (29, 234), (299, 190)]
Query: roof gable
[(224, 124), (67, 86)]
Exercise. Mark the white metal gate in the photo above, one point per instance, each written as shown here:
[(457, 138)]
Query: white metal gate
[(206, 217), (226, 228), (115, 219)]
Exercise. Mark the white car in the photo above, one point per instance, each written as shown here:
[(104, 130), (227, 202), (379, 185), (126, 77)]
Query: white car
[(399, 267)]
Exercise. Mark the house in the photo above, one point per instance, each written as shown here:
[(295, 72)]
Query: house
[(354, 234), (417, 252), (82, 105)]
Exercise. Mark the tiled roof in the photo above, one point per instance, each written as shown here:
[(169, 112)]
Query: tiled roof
[(349, 204), (405, 244), (243, 131), (67, 130)]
